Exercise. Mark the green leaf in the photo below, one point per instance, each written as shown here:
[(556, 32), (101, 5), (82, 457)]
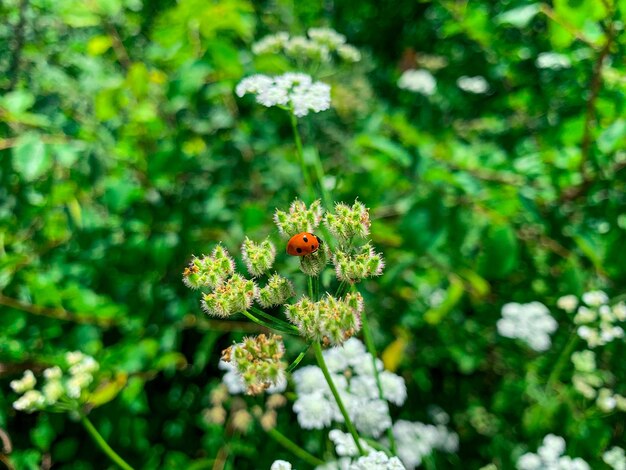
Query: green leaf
[(609, 139), (519, 17), (30, 157), (107, 391), (453, 296), (500, 255)]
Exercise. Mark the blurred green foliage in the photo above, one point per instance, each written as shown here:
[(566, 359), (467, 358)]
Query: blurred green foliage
[(123, 150)]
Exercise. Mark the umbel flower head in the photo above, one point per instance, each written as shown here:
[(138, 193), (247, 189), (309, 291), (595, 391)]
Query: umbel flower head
[(299, 218), (354, 267), (209, 271), (296, 92), (330, 320), (348, 222), (258, 258), (258, 360), (312, 264), (276, 292), (233, 296)]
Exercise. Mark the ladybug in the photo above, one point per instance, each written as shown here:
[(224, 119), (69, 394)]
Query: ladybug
[(303, 244)]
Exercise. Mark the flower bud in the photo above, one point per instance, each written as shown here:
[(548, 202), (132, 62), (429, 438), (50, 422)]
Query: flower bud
[(258, 361), (259, 258), (26, 383), (234, 296), (354, 267), (31, 400), (299, 218), (276, 292), (330, 320), (209, 271), (348, 222), (312, 264)]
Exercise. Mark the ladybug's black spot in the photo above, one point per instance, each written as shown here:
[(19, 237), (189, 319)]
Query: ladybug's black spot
[(319, 240), (299, 250), (314, 247), (305, 239)]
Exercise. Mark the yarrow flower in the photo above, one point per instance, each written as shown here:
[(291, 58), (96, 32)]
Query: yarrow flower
[(615, 458), (418, 81), (280, 465), (294, 91), (567, 303), (209, 271), (259, 258), (532, 323), (299, 218), (258, 361), (329, 320), (550, 455), (377, 460), (234, 296), (477, 85), (415, 440), (345, 445)]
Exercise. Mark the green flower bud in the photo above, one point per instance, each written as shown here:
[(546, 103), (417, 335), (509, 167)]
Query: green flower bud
[(348, 222), (354, 267), (330, 320), (299, 218), (259, 258), (276, 292), (234, 296), (209, 271), (258, 361), (312, 264)]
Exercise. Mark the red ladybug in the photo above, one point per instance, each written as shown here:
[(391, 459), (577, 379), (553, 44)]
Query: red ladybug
[(303, 243)]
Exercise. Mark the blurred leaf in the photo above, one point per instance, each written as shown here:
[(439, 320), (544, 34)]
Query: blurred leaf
[(30, 157), (107, 391)]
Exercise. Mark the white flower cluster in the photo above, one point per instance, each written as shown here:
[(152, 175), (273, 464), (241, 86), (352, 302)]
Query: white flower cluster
[(597, 320), (589, 382), (377, 461), (236, 385), (281, 465), (57, 383), (418, 81), (532, 323), (415, 441), (477, 85), (293, 91), (552, 60), (346, 449), (316, 407), (615, 458), (550, 457), (319, 45)]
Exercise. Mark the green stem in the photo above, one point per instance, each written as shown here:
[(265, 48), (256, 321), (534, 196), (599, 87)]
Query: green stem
[(317, 348), (298, 359), (270, 326), (103, 444), (294, 448), (277, 321), (371, 347), (562, 360), (309, 282), (299, 152)]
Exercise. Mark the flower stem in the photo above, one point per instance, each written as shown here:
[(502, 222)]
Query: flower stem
[(294, 448), (277, 321), (317, 348), (103, 444), (298, 359), (299, 152), (562, 360), (271, 326), (369, 342)]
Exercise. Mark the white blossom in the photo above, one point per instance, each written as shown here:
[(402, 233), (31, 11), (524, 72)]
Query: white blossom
[(567, 303), (416, 440), (552, 60), (550, 456), (314, 410), (377, 461), (281, 465), (615, 458), (477, 85), (595, 298), (30, 401), (372, 418), (345, 445), (418, 81), (27, 382), (271, 44), (349, 53), (394, 388), (532, 323)]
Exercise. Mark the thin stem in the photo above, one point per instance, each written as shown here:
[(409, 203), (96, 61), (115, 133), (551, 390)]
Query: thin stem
[(317, 348), (562, 360), (282, 323), (371, 347), (309, 282), (103, 444), (294, 448), (299, 152), (298, 359), (266, 324)]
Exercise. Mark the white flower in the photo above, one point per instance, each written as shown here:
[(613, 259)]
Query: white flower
[(529, 461), (532, 323), (606, 401), (74, 357), (253, 84), (550, 456), (595, 298), (349, 53), (280, 465), (416, 440), (619, 310), (27, 382), (372, 418), (364, 365), (233, 381), (326, 36), (377, 461), (314, 411), (585, 315), (76, 384), (418, 81), (53, 373), (615, 458), (30, 401), (552, 448), (345, 445), (52, 391), (394, 388), (364, 386), (552, 60), (476, 85), (567, 303), (87, 365), (271, 44)]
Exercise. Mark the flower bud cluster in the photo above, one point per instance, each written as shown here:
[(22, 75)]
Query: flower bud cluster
[(532, 323), (313, 264), (233, 296), (597, 320), (209, 271), (364, 263), (277, 291), (550, 455), (318, 46), (258, 257), (352, 370), (258, 361), (348, 222), (330, 320), (299, 218), (615, 458), (58, 385)]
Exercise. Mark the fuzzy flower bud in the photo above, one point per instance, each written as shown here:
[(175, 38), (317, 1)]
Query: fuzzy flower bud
[(326, 36), (352, 268), (31, 400), (234, 296), (259, 258), (209, 271), (349, 53), (26, 383), (312, 264), (276, 292), (348, 222), (330, 320), (52, 391), (271, 44), (299, 219), (258, 361)]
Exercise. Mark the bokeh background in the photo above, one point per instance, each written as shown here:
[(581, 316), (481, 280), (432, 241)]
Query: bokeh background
[(124, 150)]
